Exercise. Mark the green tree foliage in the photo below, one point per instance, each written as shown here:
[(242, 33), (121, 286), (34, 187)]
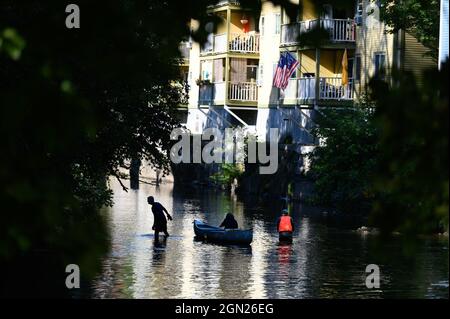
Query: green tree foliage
[(343, 166), (412, 177), (75, 106), (418, 17), (227, 174), (391, 163)]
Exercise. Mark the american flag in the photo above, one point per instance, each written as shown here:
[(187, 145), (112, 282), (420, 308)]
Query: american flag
[(286, 66)]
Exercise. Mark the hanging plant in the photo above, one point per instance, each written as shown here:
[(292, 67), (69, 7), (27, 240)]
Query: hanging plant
[(201, 82)]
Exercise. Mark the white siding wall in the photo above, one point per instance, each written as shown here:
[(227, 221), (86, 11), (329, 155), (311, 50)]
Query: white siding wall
[(194, 71), (269, 53)]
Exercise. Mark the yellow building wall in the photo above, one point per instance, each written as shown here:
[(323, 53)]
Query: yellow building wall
[(236, 25), (222, 26), (308, 11), (415, 58), (372, 37), (330, 64)]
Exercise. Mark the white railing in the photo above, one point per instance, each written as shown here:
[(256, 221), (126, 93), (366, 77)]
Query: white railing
[(330, 88), (333, 89), (306, 88), (248, 42), (340, 30), (243, 91), (239, 42), (291, 90)]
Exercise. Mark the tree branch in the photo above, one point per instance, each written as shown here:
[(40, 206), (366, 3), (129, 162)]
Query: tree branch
[(120, 182)]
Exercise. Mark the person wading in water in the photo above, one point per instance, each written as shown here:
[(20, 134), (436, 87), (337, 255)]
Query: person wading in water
[(159, 219)]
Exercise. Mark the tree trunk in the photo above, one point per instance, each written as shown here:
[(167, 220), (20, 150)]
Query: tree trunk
[(134, 173)]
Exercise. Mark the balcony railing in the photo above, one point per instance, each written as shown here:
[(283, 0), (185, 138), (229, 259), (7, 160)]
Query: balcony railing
[(246, 43), (213, 93), (330, 88), (239, 43), (340, 30), (333, 89), (243, 91)]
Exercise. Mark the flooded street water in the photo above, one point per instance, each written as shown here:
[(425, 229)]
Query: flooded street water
[(323, 262)]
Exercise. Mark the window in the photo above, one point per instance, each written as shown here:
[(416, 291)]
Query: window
[(277, 23), (262, 26), (380, 65), (252, 67), (358, 68)]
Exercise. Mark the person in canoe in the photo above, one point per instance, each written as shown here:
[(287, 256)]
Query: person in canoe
[(229, 222), (285, 226), (159, 219)]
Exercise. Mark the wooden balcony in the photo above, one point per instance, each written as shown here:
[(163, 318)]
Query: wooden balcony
[(340, 30)]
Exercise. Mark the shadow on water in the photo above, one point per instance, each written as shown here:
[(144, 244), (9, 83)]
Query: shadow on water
[(325, 260)]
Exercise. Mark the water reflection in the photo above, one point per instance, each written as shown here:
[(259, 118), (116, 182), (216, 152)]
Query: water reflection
[(321, 262)]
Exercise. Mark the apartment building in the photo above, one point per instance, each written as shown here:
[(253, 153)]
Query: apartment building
[(231, 76)]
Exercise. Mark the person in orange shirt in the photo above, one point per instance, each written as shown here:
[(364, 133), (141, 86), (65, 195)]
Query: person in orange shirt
[(285, 226)]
